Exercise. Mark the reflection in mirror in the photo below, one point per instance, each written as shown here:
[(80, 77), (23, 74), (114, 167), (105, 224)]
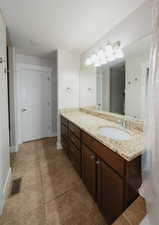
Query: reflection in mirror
[(111, 88), (88, 87), (118, 87)]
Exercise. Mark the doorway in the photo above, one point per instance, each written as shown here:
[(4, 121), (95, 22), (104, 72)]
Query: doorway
[(117, 88), (34, 102)]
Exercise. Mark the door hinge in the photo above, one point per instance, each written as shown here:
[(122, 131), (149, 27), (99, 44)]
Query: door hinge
[(48, 78)]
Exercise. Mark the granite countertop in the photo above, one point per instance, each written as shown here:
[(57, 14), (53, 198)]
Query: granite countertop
[(127, 149), (134, 214)]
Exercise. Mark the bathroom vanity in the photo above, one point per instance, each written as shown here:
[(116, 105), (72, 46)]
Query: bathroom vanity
[(111, 173)]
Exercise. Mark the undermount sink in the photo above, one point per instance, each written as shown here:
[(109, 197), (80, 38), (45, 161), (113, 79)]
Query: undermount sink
[(114, 133)]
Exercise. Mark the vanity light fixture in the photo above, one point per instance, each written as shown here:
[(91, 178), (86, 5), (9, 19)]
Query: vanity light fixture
[(109, 53)]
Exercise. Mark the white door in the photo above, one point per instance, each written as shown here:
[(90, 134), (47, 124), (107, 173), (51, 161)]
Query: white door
[(34, 104)]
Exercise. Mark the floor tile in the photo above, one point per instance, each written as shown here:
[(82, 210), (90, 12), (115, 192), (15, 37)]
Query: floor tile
[(67, 209), (24, 202), (51, 191), (136, 212), (121, 221), (58, 163), (30, 175), (36, 217), (55, 184)]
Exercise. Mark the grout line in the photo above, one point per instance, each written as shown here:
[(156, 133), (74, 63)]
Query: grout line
[(127, 219), (60, 195), (34, 149), (42, 188)]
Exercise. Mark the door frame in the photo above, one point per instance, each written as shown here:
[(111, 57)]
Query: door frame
[(19, 68)]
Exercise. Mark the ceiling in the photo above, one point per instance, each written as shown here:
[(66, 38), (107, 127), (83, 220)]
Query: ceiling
[(38, 27)]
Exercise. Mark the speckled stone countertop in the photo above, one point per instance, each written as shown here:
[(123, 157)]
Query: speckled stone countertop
[(127, 149)]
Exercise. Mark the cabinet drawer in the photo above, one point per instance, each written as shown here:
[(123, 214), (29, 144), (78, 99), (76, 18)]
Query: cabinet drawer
[(64, 143), (76, 154), (64, 131), (74, 129), (76, 166), (75, 140), (64, 121), (107, 155)]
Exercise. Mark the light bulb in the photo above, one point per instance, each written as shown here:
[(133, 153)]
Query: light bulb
[(100, 54), (119, 54), (88, 61), (103, 61), (97, 63), (111, 58), (109, 49), (101, 57), (93, 58)]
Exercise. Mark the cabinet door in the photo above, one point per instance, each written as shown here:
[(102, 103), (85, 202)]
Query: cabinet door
[(64, 138), (89, 170), (110, 192), (75, 157), (65, 144)]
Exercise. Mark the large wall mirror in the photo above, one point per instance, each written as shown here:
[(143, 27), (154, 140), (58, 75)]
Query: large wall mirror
[(118, 87)]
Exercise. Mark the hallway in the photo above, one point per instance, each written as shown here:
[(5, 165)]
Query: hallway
[(51, 192)]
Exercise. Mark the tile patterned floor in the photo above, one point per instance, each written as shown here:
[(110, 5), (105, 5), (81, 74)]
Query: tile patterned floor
[(51, 191)]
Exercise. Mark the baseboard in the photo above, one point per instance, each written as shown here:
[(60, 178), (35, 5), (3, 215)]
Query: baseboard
[(5, 191), (59, 146), (53, 134), (14, 148)]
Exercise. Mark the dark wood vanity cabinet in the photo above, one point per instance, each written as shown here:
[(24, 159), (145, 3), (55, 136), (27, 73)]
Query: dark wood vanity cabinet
[(64, 135), (112, 181), (110, 192), (75, 157), (89, 170), (71, 143)]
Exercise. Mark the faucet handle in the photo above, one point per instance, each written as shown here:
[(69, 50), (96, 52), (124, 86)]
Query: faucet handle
[(127, 124), (120, 122)]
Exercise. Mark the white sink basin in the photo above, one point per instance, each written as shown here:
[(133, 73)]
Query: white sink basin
[(114, 133)]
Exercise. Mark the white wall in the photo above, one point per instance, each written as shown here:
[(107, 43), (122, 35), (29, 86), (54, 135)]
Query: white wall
[(87, 89), (68, 83), (24, 59), (4, 131), (134, 27), (136, 70), (68, 80), (27, 59)]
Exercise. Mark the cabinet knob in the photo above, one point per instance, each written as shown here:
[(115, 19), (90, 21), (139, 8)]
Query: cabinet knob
[(98, 162), (92, 156)]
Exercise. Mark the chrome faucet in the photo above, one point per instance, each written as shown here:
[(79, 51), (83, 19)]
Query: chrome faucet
[(123, 123)]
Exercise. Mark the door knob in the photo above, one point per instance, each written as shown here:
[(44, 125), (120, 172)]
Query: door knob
[(23, 110)]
